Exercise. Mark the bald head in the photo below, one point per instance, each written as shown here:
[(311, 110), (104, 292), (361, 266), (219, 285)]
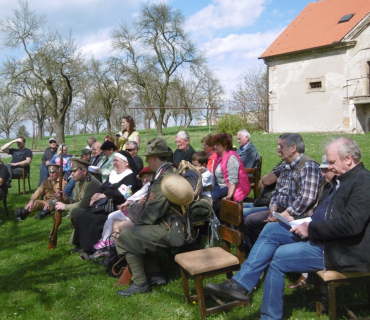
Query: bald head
[(95, 149)]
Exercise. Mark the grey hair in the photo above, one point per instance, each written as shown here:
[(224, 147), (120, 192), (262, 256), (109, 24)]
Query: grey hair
[(245, 133), (347, 146), (133, 143), (294, 139), (183, 135)]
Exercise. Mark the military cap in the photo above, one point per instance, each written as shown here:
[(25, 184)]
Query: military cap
[(52, 167), (324, 162), (157, 147), (85, 152), (78, 163)]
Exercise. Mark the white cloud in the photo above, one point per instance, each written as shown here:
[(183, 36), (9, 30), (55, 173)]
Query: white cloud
[(97, 44), (226, 13), (241, 45)]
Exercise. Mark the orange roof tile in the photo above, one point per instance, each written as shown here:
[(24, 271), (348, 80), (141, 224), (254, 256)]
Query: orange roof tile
[(317, 25)]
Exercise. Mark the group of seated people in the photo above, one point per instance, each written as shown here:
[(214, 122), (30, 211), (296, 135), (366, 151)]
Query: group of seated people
[(118, 203)]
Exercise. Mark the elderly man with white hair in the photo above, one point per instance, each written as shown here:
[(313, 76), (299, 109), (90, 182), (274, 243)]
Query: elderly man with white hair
[(336, 238), (184, 150), (247, 151)]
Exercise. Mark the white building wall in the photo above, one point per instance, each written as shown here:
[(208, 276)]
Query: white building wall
[(293, 108)]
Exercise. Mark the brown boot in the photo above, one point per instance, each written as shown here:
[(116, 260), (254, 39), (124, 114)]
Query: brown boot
[(299, 284)]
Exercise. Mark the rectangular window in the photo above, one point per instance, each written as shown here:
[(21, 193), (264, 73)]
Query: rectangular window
[(316, 84)]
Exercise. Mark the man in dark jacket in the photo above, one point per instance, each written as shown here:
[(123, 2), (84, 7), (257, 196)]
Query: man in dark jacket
[(184, 150), (46, 157), (150, 231), (247, 152), (338, 237)]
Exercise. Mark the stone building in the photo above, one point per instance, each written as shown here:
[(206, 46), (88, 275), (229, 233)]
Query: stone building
[(319, 70)]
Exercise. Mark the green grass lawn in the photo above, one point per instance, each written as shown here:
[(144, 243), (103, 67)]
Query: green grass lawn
[(36, 283)]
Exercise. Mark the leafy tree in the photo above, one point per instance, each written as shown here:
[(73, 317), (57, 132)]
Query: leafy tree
[(22, 131)]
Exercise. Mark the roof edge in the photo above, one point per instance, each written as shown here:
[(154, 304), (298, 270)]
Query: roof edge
[(335, 46), (358, 28)]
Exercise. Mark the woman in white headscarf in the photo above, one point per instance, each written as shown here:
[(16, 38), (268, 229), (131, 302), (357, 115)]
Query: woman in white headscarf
[(89, 224)]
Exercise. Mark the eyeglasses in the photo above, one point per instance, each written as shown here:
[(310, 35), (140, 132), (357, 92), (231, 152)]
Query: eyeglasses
[(130, 150)]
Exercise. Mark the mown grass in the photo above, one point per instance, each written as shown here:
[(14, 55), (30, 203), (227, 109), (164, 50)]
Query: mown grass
[(36, 283)]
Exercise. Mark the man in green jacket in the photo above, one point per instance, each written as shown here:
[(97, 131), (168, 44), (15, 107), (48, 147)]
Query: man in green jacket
[(86, 186), (150, 231)]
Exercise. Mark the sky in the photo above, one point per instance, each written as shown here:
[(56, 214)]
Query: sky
[(232, 33)]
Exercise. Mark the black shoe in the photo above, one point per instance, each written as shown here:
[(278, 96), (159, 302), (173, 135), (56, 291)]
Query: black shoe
[(77, 249), (17, 213), (156, 278), (41, 215), (135, 288), (228, 289), (21, 214)]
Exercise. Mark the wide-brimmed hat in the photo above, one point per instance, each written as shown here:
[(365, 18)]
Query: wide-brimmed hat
[(324, 163), (177, 189), (157, 147), (52, 167), (79, 163)]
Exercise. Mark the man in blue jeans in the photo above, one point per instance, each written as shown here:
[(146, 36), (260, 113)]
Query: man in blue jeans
[(337, 238)]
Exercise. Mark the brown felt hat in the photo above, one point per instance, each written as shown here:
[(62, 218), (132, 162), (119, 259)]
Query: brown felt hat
[(157, 147)]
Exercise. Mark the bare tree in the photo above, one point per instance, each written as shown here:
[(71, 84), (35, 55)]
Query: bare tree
[(250, 98), (11, 113), (154, 51), (54, 61), (108, 85), (213, 94)]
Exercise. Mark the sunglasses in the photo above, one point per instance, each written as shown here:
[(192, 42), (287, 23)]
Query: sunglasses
[(130, 150), (52, 142)]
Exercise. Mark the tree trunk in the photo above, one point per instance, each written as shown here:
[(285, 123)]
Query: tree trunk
[(40, 129), (59, 129)]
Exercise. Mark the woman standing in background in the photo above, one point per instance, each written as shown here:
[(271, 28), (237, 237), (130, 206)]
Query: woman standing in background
[(128, 133)]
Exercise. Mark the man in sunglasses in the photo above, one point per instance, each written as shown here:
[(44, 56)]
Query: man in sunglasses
[(132, 148)]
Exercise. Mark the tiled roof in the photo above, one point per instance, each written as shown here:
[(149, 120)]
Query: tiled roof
[(317, 25)]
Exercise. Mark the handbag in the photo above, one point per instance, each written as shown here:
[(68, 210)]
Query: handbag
[(133, 211), (104, 205), (116, 265)]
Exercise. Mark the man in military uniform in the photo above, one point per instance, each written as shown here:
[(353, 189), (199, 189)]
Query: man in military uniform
[(48, 187), (85, 154), (150, 231), (86, 186)]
